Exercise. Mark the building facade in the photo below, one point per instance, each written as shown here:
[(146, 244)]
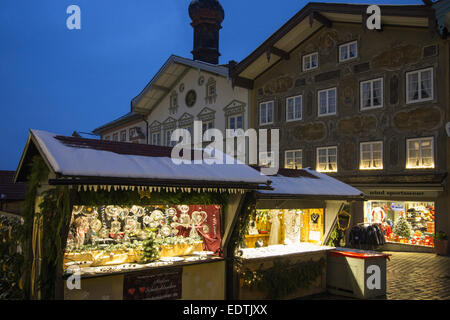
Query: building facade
[(367, 107)]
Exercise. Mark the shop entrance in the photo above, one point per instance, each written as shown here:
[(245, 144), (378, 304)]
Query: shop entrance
[(285, 226)]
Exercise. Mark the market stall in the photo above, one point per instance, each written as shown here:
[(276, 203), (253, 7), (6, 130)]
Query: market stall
[(110, 220), (281, 252)]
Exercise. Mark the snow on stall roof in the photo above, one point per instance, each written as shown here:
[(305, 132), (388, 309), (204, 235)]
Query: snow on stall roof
[(319, 184), (89, 162)]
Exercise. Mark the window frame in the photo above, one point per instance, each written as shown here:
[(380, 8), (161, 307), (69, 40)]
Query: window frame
[(310, 55), (371, 81), (348, 44), (318, 102), (371, 143), (301, 108), (419, 72), (328, 163), (167, 140), (420, 153), (294, 156), (159, 138), (115, 137), (267, 112)]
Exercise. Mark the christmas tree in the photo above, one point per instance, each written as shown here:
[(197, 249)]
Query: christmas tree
[(151, 248), (402, 228)]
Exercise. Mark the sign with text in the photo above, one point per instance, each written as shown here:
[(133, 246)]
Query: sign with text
[(153, 285)]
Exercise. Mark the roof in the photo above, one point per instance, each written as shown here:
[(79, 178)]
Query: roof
[(173, 70), (313, 17), (13, 191), (307, 183), (80, 161), (442, 9), (127, 118)]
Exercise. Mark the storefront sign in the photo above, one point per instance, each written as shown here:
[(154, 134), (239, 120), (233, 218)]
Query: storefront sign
[(400, 193), (153, 285)]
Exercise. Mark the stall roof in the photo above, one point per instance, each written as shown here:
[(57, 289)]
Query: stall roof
[(87, 161), (307, 183), (11, 190)]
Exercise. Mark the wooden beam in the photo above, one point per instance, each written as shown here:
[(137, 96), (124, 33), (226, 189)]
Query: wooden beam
[(278, 52), (320, 18)]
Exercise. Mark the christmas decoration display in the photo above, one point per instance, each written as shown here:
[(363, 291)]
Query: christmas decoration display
[(402, 227), (151, 248)]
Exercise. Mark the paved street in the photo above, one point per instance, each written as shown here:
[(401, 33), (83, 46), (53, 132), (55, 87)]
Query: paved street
[(418, 276)]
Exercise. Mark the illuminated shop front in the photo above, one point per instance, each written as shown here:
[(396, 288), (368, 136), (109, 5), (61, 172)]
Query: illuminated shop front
[(407, 222)]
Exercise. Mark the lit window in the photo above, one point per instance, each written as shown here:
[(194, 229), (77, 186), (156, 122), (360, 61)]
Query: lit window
[(348, 51), (327, 159), (327, 102), (266, 113), (419, 85), (115, 137), (293, 159), (310, 61), (371, 156), (420, 153), (294, 108), (265, 159), (156, 139), (371, 94)]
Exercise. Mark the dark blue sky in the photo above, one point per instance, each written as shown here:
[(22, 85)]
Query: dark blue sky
[(59, 80)]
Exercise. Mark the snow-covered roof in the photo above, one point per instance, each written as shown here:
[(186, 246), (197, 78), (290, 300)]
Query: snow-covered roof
[(309, 183), (88, 158)]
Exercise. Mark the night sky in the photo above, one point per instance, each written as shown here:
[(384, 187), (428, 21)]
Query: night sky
[(61, 80)]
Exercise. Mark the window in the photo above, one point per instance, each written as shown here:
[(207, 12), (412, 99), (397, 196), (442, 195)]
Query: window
[(265, 159), (107, 138), (327, 102), (235, 122), (371, 156), (115, 137), (156, 139), (348, 51), (169, 142), (419, 85), (123, 136), (293, 159), (371, 94), (211, 89), (266, 113), (310, 61), (206, 126), (327, 159), (294, 108), (420, 153)]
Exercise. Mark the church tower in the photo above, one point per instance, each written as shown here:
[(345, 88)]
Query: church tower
[(207, 17)]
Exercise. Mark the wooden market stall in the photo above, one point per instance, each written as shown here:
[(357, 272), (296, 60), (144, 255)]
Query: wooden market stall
[(281, 252), (111, 220)]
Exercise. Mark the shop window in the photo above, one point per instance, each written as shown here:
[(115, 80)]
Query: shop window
[(294, 108), (293, 159), (327, 102), (371, 156), (115, 137), (348, 51), (105, 239), (327, 159), (156, 139), (266, 113), (274, 232), (310, 61), (371, 94), (419, 85), (420, 153), (123, 136), (403, 221)]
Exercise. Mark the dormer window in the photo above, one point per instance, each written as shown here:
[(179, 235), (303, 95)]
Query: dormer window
[(173, 103), (211, 92)]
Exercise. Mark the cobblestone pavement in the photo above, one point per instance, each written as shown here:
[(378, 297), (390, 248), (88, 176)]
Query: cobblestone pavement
[(418, 276)]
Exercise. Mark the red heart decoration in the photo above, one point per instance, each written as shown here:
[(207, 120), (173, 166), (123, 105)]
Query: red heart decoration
[(131, 291), (142, 289)]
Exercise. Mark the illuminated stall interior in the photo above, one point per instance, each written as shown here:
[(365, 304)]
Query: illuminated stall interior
[(403, 221)]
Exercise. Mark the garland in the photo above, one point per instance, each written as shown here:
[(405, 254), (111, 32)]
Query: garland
[(11, 259), (283, 278)]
